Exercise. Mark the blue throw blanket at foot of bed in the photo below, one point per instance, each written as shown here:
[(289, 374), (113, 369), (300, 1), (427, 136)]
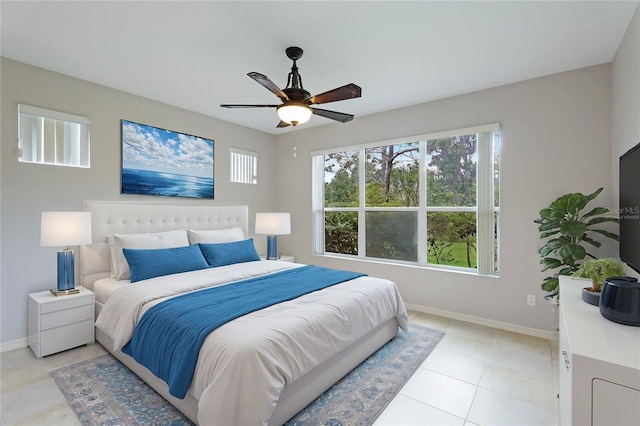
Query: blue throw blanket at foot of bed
[(169, 335)]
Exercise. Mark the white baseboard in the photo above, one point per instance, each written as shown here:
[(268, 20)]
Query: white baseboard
[(14, 344), (544, 334)]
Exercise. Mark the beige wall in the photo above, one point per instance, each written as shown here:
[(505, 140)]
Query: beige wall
[(555, 139), (625, 106), (28, 189)]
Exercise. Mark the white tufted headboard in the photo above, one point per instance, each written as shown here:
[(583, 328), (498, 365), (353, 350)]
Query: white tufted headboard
[(135, 217)]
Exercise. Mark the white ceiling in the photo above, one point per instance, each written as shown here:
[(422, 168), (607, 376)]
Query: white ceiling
[(196, 55)]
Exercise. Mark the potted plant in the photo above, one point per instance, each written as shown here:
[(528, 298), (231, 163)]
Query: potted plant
[(568, 230), (597, 270)]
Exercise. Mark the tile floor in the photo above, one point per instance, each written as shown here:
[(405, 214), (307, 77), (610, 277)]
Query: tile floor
[(476, 376)]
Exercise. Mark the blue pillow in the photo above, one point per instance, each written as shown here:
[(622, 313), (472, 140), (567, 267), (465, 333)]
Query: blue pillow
[(228, 253), (151, 263)]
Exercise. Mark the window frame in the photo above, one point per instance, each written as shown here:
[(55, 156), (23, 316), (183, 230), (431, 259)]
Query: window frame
[(65, 153), (487, 211), (242, 164)]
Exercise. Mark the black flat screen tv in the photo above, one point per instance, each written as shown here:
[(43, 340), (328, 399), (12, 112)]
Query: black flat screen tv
[(630, 208)]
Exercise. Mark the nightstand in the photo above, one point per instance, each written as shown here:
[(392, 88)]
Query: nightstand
[(282, 258), (59, 323)]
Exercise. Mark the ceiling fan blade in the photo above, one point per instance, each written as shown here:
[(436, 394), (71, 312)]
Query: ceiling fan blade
[(248, 106), (348, 91), (283, 124), (270, 85), (333, 115)]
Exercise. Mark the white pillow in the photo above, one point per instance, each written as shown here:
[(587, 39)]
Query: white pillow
[(152, 240), (215, 236), (114, 258)]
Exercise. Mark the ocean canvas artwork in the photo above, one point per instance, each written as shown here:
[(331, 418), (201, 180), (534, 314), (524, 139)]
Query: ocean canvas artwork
[(162, 162)]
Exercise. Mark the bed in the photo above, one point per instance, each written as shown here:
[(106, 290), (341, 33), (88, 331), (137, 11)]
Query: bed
[(262, 367)]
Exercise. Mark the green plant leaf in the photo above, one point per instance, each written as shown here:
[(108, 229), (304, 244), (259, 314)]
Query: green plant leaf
[(550, 246), (594, 195), (596, 211), (550, 263), (591, 241), (550, 225), (567, 271), (573, 228), (548, 234), (606, 234), (568, 204), (551, 213), (596, 220), (544, 215), (550, 284), (571, 251)]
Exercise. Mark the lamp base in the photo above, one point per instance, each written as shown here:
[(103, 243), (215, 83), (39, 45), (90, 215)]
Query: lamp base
[(272, 247), (64, 292), (66, 270)]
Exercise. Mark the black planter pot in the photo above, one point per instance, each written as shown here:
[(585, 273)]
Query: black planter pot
[(591, 297)]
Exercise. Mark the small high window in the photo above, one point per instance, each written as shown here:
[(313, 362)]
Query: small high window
[(53, 137), (243, 166)]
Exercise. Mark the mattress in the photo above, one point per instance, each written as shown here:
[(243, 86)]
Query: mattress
[(104, 288)]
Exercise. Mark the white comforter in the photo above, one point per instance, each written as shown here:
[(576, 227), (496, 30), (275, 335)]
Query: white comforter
[(244, 365)]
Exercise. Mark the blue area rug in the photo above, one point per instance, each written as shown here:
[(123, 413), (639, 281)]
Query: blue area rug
[(102, 391)]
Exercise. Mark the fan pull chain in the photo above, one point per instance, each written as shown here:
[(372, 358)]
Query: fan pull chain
[(294, 142)]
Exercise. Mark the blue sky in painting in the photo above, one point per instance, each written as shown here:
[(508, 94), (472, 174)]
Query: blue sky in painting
[(150, 148)]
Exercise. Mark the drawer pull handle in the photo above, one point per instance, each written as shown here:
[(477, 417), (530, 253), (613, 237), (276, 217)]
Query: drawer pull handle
[(566, 359)]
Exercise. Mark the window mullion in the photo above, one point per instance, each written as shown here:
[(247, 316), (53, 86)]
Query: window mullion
[(362, 199), (40, 140), (317, 180), (485, 216), (422, 204)]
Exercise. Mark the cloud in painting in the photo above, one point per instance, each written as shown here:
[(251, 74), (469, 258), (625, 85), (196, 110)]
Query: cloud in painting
[(150, 148)]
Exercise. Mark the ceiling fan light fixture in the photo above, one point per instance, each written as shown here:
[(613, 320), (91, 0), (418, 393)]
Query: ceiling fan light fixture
[(294, 113), (295, 107)]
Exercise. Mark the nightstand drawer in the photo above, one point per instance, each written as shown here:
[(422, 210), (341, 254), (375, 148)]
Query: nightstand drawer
[(61, 303), (67, 316), (67, 337)]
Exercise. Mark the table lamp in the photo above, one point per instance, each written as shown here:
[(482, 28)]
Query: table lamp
[(65, 229), (273, 224)]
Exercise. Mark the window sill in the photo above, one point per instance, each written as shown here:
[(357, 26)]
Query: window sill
[(402, 264)]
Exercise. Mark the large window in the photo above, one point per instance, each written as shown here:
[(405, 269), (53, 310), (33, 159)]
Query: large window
[(426, 200)]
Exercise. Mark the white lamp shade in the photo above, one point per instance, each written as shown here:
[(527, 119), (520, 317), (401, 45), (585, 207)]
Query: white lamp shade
[(65, 229), (273, 223), (299, 113)]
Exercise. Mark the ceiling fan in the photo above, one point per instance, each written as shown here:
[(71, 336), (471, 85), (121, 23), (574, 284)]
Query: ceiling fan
[(296, 102)]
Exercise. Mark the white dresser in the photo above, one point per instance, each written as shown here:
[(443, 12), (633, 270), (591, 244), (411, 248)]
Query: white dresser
[(599, 363), (59, 323)]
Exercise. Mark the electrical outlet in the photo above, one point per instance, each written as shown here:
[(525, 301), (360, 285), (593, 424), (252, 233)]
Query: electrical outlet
[(531, 300)]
